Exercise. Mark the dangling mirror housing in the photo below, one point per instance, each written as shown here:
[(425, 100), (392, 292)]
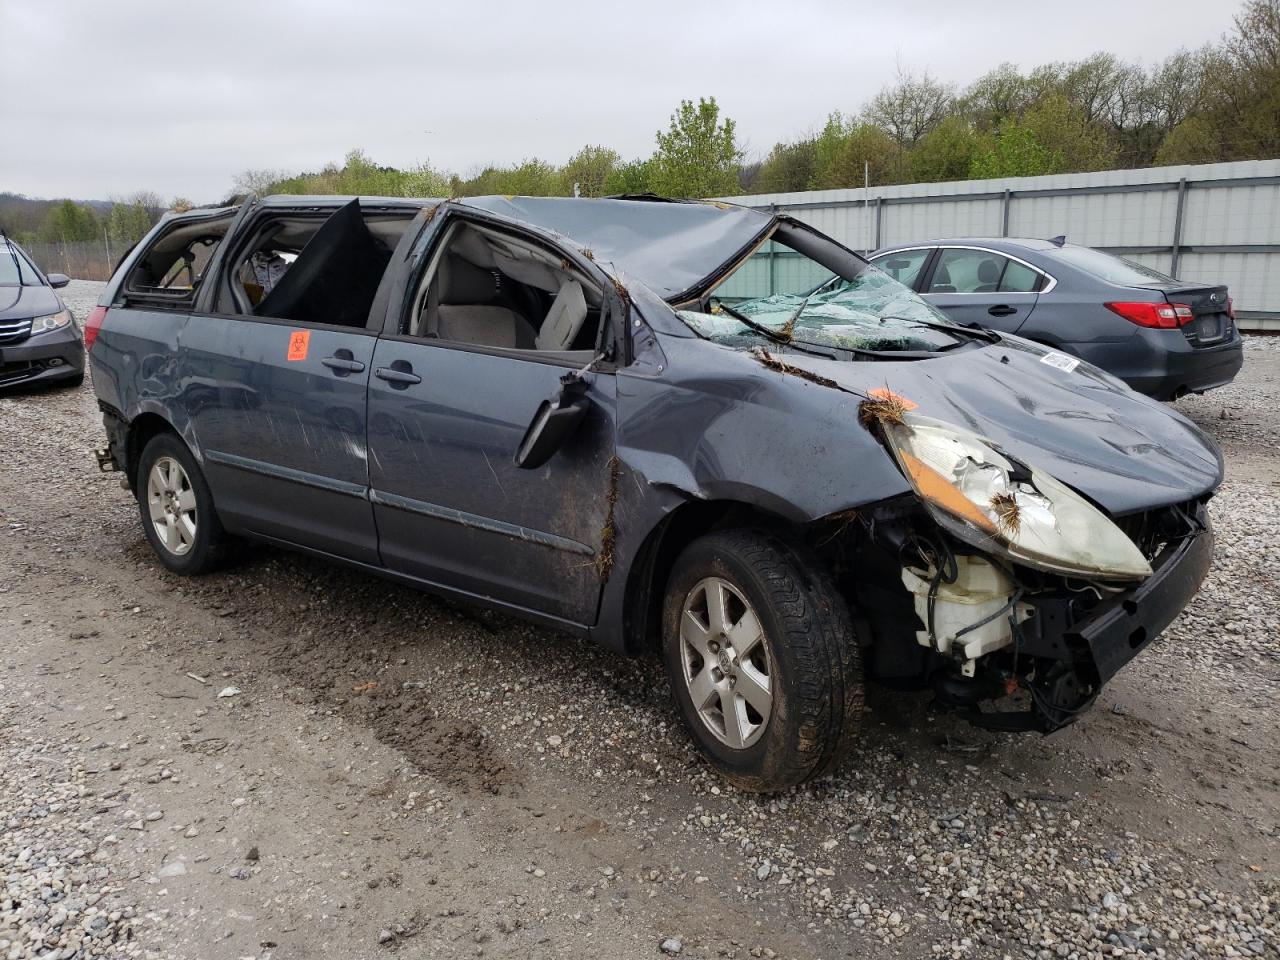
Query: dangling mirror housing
[(555, 421)]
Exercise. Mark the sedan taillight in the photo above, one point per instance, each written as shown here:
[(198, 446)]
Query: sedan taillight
[(1163, 315), (92, 324)]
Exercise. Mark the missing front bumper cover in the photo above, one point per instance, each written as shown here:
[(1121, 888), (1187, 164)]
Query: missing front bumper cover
[(1076, 650)]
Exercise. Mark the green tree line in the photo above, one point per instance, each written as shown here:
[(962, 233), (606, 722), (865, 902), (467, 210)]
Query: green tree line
[(119, 223), (1220, 102)]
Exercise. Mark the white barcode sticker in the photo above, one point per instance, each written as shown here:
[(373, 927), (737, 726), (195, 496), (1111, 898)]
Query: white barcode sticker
[(1060, 360)]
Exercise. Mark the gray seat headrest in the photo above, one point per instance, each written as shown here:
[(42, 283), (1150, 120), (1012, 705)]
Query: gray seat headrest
[(564, 319)]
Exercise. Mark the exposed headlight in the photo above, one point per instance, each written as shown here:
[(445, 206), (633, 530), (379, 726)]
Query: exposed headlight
[(1005, 507), (53, 321)]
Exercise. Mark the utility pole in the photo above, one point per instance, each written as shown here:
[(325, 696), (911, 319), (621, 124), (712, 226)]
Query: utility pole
[(866, 205)]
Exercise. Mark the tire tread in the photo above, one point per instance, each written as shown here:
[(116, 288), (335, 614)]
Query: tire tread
[(818, 630)]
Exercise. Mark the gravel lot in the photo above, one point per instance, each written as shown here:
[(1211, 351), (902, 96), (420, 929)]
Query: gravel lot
[(291, 760)]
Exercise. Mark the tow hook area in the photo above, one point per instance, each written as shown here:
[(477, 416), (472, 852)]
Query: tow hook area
[(106, 460)]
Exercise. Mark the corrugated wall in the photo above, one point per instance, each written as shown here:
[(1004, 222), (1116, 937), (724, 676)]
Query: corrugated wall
[(1217, 222)]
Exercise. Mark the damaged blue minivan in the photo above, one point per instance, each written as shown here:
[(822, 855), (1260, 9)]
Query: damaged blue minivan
[(659, 425)]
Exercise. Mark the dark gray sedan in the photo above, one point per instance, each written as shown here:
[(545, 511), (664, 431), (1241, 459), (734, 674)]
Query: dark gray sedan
[(39, 340), (1163, 337)]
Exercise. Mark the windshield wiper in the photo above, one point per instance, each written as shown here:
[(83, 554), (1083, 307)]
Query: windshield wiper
[(790, 325), (773, 335)]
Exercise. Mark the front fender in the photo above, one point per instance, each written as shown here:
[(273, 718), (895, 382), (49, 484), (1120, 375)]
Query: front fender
[(719, 425)]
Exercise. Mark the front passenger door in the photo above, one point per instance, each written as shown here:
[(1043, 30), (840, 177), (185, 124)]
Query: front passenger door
[(450, 400)]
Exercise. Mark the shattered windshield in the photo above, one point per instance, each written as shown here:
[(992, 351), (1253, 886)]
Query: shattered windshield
[(781, 294)]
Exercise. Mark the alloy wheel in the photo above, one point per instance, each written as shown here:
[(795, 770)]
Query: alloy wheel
[(172, 505), (727, 667)]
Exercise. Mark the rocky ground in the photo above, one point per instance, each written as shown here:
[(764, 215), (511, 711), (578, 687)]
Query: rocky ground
[(291, 760)]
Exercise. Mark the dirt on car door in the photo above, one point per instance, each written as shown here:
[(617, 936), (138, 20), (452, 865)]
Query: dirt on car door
[(452, 507)]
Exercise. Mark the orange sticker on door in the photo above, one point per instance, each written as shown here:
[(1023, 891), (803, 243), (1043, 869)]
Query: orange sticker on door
[(299, 340)]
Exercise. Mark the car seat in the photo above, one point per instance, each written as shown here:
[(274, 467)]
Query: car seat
[(988, 276)]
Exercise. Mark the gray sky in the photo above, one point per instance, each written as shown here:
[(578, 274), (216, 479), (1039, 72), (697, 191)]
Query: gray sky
[(104, 98)]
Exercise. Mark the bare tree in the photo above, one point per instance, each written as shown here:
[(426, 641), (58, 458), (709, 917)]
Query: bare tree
[(910, 108), (1255, 47), (997, 94), (258, 182)]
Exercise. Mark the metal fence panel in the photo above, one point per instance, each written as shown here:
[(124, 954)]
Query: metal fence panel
[(1216, 222), (84, 261), (923, 221)]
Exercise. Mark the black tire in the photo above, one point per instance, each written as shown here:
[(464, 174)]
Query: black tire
[(208, 545), (814, 663)]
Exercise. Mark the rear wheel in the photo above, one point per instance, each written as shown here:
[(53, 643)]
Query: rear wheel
[(762, 657), (177, 508)]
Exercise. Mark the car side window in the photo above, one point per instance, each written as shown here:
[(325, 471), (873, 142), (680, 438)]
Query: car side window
[(312, 269), (967, 271), (168, 273), (487, 288), (1018, 278), (904, 266)]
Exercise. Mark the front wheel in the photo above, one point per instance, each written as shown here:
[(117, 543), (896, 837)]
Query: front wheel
[(177, 508), (762, 657)]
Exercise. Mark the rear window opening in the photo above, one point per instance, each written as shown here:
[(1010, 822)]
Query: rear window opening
[(170, 272), (313, 269), (1110, 268), (493, 289)]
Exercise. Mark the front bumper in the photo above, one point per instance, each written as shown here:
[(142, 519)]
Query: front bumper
[(1103, 639), (1077, 647), (43, 358)]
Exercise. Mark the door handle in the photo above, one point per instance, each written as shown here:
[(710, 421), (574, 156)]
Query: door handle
[(1002, 310), (343, 365), (396, 377)]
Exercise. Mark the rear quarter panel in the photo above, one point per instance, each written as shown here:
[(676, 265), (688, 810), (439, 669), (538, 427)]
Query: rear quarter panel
[(1073, 318), (135, 364)]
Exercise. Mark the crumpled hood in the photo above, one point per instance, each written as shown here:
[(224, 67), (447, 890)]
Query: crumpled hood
[(1123, 450), (18, 303)]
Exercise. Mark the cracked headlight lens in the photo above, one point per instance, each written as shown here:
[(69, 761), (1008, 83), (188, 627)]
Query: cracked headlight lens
[(53, 321), (1006, 507)]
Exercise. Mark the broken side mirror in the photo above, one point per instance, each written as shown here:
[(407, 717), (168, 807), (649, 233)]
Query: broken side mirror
[(555, 421)]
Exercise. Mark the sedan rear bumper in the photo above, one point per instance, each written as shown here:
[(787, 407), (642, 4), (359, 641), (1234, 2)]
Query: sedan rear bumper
[(44, 358), (1191, 371)]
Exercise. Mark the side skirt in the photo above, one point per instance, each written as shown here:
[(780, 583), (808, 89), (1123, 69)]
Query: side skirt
[(430, 586)]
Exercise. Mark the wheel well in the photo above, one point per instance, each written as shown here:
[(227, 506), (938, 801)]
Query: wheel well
[(646, 585), (141, 429)]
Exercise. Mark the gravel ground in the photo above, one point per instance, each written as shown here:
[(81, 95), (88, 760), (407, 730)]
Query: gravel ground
[(391, 774)]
